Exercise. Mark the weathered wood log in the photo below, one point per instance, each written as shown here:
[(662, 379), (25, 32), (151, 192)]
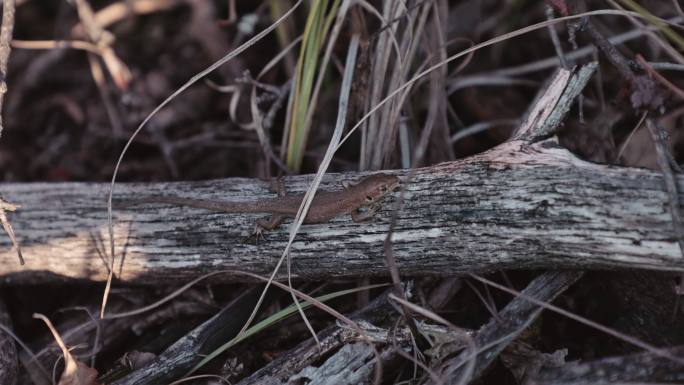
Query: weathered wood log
[(89, 334), (517, 206), (525, 204), (634, 368), (309, 354), (501, 330), (180, 357)]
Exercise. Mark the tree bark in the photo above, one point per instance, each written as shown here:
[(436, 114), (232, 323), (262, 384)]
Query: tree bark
[(517, 206), (503, 329), (635, 368)]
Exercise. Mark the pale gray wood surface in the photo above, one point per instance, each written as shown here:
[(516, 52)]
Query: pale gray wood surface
[(518, 206), (504, 328)]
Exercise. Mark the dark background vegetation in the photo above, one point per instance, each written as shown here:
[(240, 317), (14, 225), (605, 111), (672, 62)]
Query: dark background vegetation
[(60, 125)]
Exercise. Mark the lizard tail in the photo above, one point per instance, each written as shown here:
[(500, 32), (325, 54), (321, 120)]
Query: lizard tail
[(230, 207)]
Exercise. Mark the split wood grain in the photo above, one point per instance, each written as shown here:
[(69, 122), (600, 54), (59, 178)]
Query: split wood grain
[(517, 206)]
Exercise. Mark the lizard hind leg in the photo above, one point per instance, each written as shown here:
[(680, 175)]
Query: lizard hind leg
[(266, 224), (270, 223), (257, 233)]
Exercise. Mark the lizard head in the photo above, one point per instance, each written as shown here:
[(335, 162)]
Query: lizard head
[(375, 187)]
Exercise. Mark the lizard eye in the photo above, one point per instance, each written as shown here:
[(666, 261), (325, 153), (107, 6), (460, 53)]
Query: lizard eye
[(369, 198), (383, 188)]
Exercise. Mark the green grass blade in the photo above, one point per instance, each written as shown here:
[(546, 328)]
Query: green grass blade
[(656, 22), (316, 29), (270, 320)]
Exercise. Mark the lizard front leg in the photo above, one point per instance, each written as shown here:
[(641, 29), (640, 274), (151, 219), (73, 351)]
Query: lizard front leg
[(360, 216)]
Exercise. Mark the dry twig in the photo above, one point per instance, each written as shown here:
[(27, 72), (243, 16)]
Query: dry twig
[(5, 39), (6, 206)]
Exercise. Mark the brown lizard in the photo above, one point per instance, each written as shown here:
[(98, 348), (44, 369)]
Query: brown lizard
[(325, 206)]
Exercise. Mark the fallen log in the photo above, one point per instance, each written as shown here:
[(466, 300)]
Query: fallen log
[(526, 204), (517, 206)]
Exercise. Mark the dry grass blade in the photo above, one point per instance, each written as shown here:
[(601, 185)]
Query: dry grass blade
[(471, 348), (550, 199), (166, 299), (678, 7), (75, 372), (193, 80), (436, 119), (480, 127), (630, 136), (506, 75), (309, 301), (34, 357), (325, 163), (474, 48), (200, 377), (667, 31), (657, 25), (261, 123), (103, 39), (380, 130), (659, 137), (660, 78), (116, 12), (621, 336), (56, 44), (509, 322)]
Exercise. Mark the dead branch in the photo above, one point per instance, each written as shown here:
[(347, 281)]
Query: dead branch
[(518, 206), (631, 368), (526, 204), (505, 327)]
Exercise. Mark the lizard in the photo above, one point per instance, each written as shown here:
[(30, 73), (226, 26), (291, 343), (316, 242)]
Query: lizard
[(326, 205)]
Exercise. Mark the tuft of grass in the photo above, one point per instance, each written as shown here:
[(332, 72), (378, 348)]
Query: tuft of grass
[(321, 15), (656, 22), (273, 319), (284, 30)]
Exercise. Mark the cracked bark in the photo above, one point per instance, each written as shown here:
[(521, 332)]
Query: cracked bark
[(518, 206), (526, 204)]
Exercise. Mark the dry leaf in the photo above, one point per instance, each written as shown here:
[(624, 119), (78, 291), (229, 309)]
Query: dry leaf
[(75, 372)]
